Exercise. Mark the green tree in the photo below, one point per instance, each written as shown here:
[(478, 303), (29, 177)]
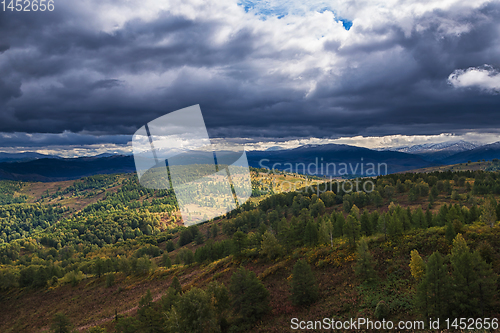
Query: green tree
[(326, 233), (250, 299), (221, 303), (165, 260), (450, 232), (199, 239), (433, 292), (352, 229), (176, 285), (61, 323), (488, 215), (215, 230), (270, 246), (239, 242), (311, 234), (150, 318), (473, 280), (195, 313), (364, 265), (366, 227), (338, 225), (110, 280), (303, 286), (381, 310), (170, 246)]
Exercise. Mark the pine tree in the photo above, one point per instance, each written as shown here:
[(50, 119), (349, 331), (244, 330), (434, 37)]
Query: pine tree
[(338, 225), (250, 299), (428, 218), (170, 246), (326, 231), (215, 230), (365, 263), (195, 313), (61, 323), (450, 232), (382, 224), (270, 246), (474, 282), (433, 292), (303, 286), (351, 229), (165, 260), (150, 319), (394, 226), (176, 285), (489, 215), (221, 303), (366, 227), (239, 242), (311, 234)]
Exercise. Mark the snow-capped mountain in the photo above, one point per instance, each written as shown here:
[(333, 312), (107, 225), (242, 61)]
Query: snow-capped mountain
[(437, 151)]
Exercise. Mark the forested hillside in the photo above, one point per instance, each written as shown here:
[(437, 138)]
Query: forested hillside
[(103, 254)]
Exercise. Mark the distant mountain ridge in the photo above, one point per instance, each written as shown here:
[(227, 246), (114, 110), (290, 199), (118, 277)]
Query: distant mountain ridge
[(23, 157), (320, 155), (486, 152), (344, 160), (435, 152), (57, 169)]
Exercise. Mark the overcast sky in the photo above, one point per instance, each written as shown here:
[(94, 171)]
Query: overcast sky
[(90, 73)]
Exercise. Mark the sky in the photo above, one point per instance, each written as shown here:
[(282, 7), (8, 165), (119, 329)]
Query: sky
[(80, 80)]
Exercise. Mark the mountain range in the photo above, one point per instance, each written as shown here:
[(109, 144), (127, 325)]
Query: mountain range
[(326, 160), (437, 152)]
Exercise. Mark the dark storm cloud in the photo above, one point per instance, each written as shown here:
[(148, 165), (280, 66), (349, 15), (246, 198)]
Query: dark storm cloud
[(60, 73), (39, 140)]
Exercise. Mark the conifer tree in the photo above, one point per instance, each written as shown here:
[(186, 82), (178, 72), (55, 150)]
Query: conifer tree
[(433, 292), (165, 260), (351, 229), (365, 263), (311, 234), (473, 281), (250, 299), (366, 227), (450, 232), (326, 231), (61, 323), (303, 286), (194, 312), (176, 285), (338, 225), (270, 246), (489, 215)]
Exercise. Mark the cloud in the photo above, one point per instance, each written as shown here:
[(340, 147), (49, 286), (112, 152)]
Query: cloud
[(105, 68), (485, 78)]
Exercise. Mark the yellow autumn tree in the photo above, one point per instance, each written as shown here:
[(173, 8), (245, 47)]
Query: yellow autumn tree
[(417, 266)]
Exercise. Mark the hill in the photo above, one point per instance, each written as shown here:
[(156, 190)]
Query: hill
[(92, 249)]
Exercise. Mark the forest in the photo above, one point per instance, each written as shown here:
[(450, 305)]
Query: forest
[(419, 246)]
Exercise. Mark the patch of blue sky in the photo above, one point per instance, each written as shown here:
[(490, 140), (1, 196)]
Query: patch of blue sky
[(264, 9), (282, 8)]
